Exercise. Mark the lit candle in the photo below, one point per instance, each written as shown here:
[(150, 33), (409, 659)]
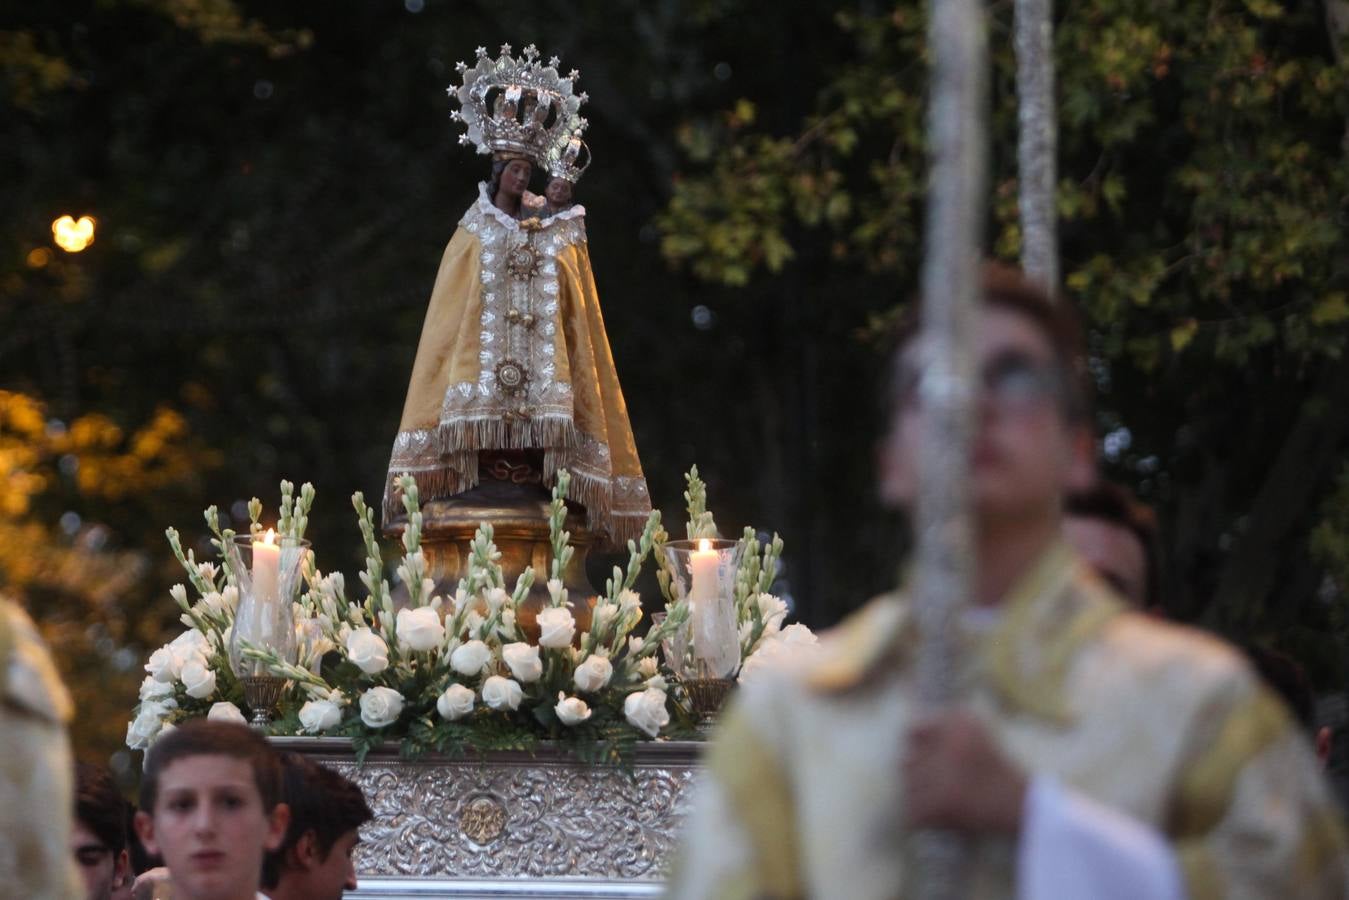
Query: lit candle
[(703, 564), (266, 567)]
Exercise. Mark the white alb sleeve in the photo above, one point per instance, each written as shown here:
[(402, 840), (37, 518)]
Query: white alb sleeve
[(1072, 846)]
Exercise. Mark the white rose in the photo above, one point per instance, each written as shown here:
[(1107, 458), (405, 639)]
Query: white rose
[(380, 706), (523, 661), (320, 715), (419, 629), (571, 710), (501, 693), (198, 678), (191, 643), (798, 635), (645, 711), (368, 651), (141, 731), (224, 711), (154, 689), (164, 665), (593, 674), (556, 627), (470, 658), (455, 703)]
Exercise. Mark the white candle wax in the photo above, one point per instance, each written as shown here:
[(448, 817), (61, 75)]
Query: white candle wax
[(266, 568), (703, 567)]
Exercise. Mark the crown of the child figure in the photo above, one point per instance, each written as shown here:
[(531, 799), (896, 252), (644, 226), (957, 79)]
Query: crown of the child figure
[(569, 159), (517, 107)]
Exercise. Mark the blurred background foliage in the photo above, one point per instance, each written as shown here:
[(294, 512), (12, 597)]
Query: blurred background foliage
[(274, 183)]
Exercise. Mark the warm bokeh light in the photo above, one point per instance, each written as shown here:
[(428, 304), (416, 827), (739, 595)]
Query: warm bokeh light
[(73, 236), (39, 257)]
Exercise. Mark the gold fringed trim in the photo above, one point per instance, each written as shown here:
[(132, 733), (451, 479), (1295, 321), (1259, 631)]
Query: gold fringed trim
[(493, 432)]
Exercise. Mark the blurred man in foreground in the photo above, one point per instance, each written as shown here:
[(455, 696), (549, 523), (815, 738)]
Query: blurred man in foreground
[(315, 862), (1096, 753)]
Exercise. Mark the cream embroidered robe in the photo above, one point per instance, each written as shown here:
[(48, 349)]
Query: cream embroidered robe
[(514, 355), (1162, 723)]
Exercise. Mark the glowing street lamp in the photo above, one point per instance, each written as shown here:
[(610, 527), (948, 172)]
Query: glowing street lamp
[(73, 236)]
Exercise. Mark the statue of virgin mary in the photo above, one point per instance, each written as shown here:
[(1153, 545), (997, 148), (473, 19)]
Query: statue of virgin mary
[(514, 378)]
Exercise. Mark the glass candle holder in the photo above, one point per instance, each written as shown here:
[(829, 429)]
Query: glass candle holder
[(268, 574), (704, 575)]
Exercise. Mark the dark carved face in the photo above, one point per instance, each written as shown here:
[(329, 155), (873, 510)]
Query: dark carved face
[(515, 177), (558, 192)]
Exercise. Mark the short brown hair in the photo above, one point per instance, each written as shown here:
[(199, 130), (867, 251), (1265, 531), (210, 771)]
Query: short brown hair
[(202, 737), (1006, 287), (321, 801), (100, 806)]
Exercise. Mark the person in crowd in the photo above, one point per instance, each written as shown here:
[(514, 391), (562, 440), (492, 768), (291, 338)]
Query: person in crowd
[(98, 838), (1094, 752), (36, 768), (210, 805), (1117, 536), (1287, 678), (315, 861)]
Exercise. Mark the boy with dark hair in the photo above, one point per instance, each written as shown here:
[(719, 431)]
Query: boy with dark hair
[(1094, 752), (98, 839), (314, 862), (210, 806)]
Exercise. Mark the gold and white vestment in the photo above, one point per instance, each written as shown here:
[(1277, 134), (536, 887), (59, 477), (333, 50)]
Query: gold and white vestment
[(1160, 723)]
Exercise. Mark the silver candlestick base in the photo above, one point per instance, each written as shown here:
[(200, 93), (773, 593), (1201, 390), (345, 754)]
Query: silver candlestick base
[(707, 696), (261, 694)]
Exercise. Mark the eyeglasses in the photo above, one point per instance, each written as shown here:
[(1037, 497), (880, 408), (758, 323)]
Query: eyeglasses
[(1011, 381)]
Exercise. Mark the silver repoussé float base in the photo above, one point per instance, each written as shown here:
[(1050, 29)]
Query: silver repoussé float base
[(514, 824)]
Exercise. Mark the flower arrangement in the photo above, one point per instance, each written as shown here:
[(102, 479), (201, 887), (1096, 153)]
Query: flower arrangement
[(455, 673)]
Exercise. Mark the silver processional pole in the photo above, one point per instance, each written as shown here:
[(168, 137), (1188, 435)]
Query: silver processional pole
[(944, 552), (1037, 141)]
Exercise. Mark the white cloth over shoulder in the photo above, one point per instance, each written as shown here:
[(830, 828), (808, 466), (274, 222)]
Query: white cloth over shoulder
[(1071, 846)]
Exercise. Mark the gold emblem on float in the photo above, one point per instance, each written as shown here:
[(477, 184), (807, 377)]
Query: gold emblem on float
[(522, 262), (512, 377)]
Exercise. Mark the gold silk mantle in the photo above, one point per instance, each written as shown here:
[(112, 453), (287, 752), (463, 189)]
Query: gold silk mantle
[(1161, 723), (514, 355)]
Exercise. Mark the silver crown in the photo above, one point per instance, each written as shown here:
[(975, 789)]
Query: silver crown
[(517, 107), (569, 159)]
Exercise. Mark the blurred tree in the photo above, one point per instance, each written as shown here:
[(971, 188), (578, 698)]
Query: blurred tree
[(1204, 194), (273, 186)]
